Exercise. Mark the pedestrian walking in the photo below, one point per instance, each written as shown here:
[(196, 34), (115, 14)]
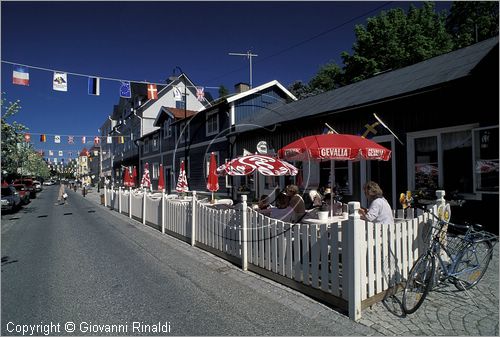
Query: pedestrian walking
[(84, 188), (61, 193)]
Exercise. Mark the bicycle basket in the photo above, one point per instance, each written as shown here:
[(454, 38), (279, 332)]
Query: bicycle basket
[(454, 244)]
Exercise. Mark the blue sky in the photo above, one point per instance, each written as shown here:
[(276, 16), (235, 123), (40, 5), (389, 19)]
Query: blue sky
[(145, 41)]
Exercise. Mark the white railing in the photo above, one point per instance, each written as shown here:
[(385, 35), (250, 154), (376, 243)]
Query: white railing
[(351, 263)]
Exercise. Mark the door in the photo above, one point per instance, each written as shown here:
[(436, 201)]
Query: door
[(381, 172), (168, 179)]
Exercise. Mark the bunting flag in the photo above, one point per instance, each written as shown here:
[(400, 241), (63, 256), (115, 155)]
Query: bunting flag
[(70, 153), (43, 138), (60, 82), (60, 153), (57, 139), (121, 140), (200, 94), (125, 90), (55, 160), (71, 140), (20, 76), (27, 137), (96, 140), (109, 140), (152, 91), (94, 86), (177, 94), (84, 140), (51, 153)]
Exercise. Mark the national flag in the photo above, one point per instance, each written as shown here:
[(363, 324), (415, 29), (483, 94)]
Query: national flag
[(70, 153), (43, 138), (20, 76), (200, 94), (60, 153), (385, 126), (109, 140), (57, 139), (177, 94), (96, 140), (371, 129), (84, 140), (121, 140), (94, 86), (125, 90), (55, 160), (152, 91), (27, 137), (60, 82), (71, 140), (51, 153)]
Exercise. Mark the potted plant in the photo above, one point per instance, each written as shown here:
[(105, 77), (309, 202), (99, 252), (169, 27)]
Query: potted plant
[(323, 211)]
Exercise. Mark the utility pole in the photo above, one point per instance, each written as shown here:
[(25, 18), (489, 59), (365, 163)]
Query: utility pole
[(249, 55)]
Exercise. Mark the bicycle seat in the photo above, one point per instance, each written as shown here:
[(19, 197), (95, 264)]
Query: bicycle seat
[(477, 226)]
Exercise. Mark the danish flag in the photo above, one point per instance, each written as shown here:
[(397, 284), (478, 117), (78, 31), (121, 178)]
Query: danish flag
[(152, 91)]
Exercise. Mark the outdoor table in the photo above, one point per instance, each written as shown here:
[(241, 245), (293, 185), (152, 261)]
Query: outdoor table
[(329, 220)]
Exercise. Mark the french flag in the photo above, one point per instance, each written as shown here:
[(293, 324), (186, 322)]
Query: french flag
[(20, 76)]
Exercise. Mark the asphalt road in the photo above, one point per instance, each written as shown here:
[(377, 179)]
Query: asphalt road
[(80, 263)]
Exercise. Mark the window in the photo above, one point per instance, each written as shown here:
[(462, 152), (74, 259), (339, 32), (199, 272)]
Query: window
[(212, 124), (155, 142), (443, 159), (183, 132), (167, 129), (146, 146), (155, 171), (342, 170), (180, 104), (486, 159)]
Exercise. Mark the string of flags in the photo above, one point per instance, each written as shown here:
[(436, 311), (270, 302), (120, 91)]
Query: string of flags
[(71, 139), (21, 76)]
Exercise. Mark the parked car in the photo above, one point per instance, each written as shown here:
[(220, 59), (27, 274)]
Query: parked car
[(10, 199), (38, 185), (29, 185), (24, 194), (48, 183)]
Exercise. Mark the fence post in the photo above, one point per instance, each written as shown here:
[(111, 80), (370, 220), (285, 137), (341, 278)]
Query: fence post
[(193, 220), (130, 202), (163, 211), (144, 207), (120, 199), (105, 196), (244, 255), (354, 239)]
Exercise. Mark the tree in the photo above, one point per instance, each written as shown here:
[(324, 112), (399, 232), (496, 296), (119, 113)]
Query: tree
[(329, 77), (396, 39), (223, 92), (472, 21)]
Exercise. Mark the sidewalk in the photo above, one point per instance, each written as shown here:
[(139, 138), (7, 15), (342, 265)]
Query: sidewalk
[(445, 311)]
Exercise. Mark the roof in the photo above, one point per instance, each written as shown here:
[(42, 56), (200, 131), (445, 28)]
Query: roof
[(417, 77), (260, 88), (176, 113)]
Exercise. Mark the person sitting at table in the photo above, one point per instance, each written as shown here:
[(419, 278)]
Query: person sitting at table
[(296, 202), (379, 210), (283, 211), (263, 205)]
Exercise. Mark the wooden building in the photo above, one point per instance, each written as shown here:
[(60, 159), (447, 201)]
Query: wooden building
[(445, 110)]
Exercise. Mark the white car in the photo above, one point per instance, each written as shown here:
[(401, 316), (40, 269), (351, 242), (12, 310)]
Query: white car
[(48, 183), (37, 185)]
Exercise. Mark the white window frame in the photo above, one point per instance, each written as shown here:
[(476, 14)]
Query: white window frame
[(156, 144), (167, 129), (209, 116), (155, 170), (410, 140), (474, 153)]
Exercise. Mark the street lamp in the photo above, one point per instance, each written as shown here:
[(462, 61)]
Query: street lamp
[(185, 109)]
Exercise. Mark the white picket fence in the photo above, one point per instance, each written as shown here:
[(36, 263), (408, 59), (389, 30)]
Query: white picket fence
[(351, 264)]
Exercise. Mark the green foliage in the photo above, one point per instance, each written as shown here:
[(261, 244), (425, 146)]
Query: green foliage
[(396, 39), (18, 157), (472, 21), (223, 92), (329, 77)]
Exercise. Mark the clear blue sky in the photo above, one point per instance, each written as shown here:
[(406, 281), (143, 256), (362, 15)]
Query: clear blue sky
[(145, 41)]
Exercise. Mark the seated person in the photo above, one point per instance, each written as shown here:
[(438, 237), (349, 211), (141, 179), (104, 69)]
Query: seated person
[(379, 210), (315, 197), (296, 202), (263, 206), (283, 211)]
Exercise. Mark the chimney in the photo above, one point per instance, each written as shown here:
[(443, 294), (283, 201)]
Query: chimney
[(241, 87)]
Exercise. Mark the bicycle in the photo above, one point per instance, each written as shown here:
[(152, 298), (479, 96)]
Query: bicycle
[(462, 260)]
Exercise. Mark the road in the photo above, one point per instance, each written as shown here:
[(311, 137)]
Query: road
[(80, 266)]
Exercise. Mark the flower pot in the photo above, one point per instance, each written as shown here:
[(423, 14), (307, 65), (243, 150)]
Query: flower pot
[(323, 215)]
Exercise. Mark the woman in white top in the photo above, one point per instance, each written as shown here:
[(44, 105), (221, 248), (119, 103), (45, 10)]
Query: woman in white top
[(283, 211), (379, 211)]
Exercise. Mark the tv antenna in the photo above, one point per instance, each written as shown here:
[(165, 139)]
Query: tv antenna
[(249, 55)]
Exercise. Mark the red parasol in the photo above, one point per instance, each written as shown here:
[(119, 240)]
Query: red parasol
[(264, 164), (134, 177), (126, 177), (334, 147), (161, 180), (213, 179), (146, 181), (182, 185)]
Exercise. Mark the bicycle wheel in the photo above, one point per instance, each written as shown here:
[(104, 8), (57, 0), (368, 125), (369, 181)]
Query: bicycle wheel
[(419, 283), (471, 264)]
